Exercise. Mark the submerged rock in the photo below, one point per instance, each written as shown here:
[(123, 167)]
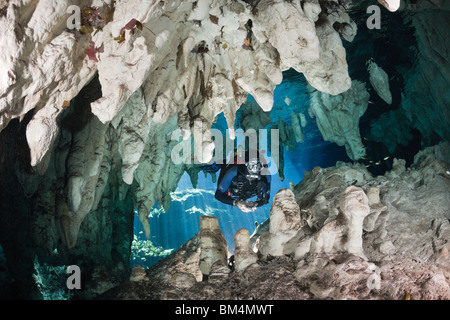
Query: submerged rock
[(338, 117), (371, 239), (380, 81)]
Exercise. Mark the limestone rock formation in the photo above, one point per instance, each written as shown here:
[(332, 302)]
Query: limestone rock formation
[(368, 238), (191, 61), (338, 116), (284, 223), (344, 234), (253, 117), (287, 136), (85, 142)]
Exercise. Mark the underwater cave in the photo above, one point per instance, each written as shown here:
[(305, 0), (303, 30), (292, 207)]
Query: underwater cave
[(346, 198)]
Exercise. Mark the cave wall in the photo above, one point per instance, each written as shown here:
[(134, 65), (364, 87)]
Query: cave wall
[(424, 102)]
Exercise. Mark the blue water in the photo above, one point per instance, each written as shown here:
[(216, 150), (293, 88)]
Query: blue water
[(170, 230)]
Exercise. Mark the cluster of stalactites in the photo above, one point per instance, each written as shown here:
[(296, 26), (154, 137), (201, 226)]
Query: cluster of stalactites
[(191, 61)]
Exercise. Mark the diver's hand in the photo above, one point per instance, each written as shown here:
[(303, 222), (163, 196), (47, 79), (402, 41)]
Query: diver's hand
[(245, 206), (242, 205)]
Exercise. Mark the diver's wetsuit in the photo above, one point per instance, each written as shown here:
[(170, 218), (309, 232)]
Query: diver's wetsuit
[(234, 185)]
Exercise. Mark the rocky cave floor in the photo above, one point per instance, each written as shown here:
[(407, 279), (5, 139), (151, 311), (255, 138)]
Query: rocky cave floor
[(273, 278)]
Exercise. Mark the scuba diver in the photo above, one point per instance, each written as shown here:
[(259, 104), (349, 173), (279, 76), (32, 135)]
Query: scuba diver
[(240, 181)]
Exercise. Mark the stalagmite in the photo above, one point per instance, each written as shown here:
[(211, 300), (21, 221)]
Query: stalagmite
[(295, 121), (319, 251), (343, 234), (333, 120), (391, 5), (188, 63), (285, 221), (302, 119), (212, 244), (79, 165), (355, 207), (243, 254), (376, 207)]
